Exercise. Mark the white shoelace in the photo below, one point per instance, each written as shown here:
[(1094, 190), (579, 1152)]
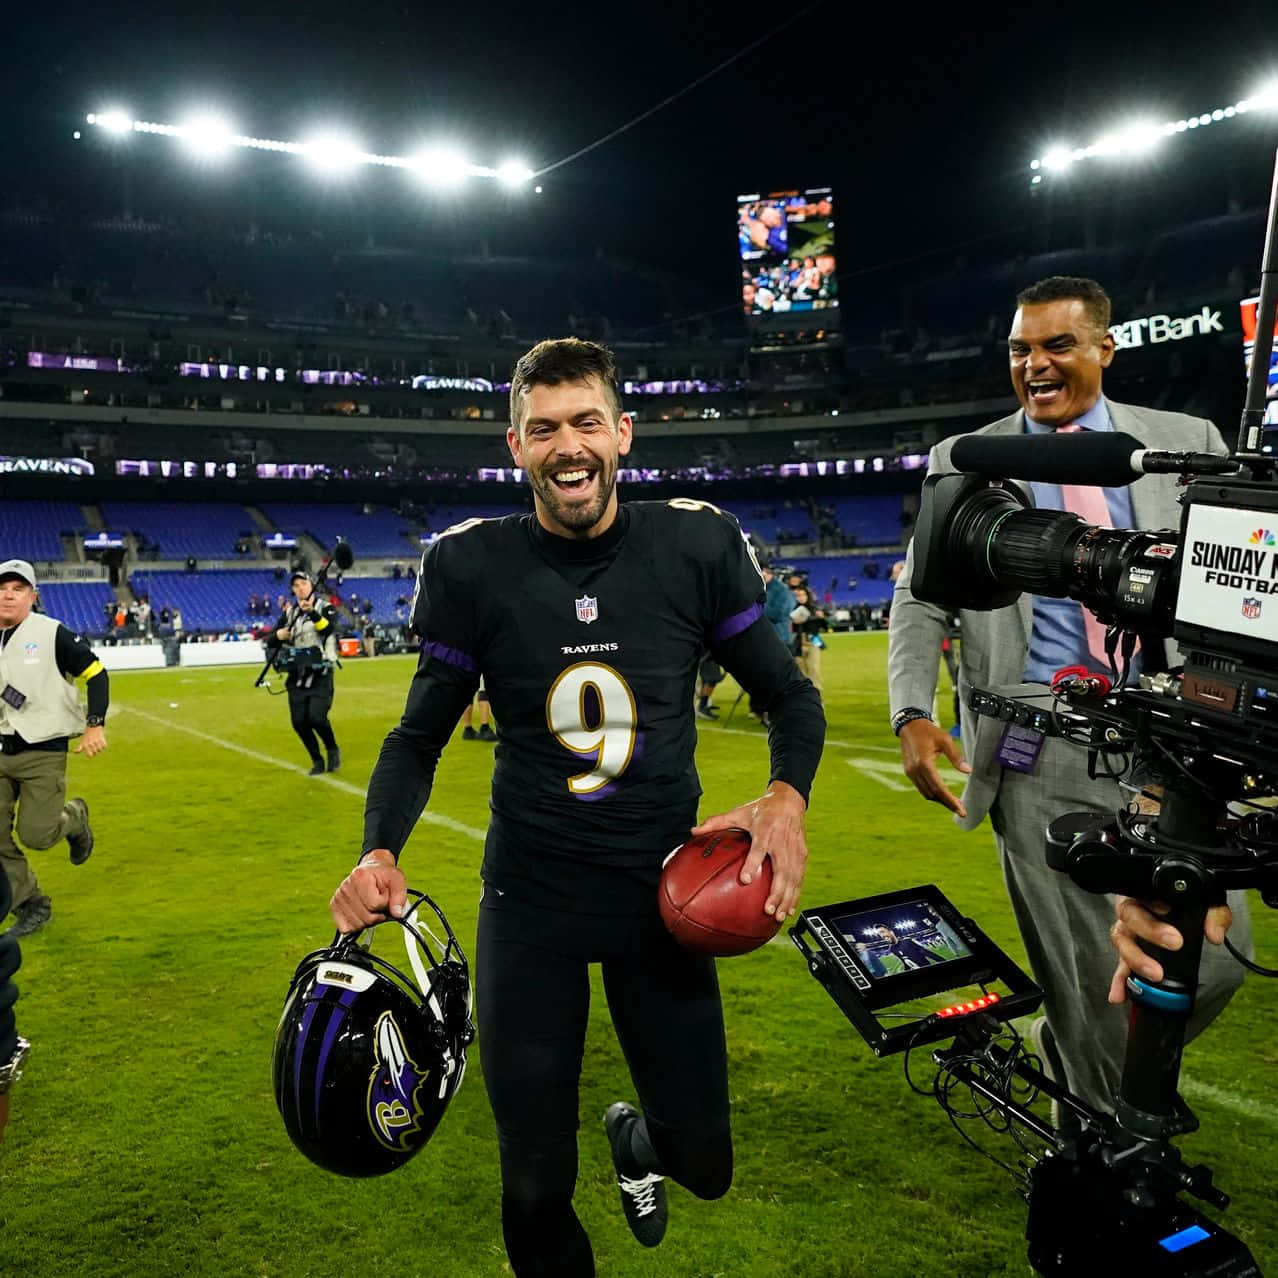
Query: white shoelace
[(643, 1191)]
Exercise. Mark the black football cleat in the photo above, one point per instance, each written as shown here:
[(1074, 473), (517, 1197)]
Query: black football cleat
[(317, 768), (486, 732), (469, 734), (643, 1196), (334, 759), (81, 844), (31, 916)]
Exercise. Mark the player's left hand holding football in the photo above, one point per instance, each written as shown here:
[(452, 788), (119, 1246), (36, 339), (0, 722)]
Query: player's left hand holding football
[(775, 823)]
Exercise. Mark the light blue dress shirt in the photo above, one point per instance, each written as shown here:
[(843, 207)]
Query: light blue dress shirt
[(1058, 637)]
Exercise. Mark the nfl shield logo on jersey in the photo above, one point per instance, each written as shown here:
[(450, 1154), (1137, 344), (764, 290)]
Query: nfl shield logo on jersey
[(1250, 608), (587, 609)]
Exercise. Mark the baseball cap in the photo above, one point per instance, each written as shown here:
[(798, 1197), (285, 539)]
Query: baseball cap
[(296, 573), (18, 568)]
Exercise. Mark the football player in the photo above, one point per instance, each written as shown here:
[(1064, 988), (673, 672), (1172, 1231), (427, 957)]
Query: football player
[(587, 621)]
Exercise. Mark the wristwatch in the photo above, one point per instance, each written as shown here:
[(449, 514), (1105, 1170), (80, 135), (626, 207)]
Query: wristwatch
[(908, 715), (11, 1070), (94, 721)]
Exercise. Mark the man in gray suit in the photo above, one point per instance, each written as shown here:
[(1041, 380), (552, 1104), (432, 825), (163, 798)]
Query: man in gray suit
[(1059, 347)]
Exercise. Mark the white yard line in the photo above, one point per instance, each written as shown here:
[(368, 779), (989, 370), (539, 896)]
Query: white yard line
[(429, 817)]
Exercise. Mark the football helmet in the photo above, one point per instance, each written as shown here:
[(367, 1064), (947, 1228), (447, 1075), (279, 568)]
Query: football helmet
[(367, 1056)]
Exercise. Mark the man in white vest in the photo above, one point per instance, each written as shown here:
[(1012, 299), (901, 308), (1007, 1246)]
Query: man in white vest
[(40, 712)]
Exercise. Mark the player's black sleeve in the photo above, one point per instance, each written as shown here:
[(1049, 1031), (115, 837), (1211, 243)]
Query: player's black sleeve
[(446, 679), (761, 664), (405, 770), (77, 660)]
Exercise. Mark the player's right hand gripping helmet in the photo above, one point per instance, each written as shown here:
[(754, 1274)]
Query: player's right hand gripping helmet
[(366, 1057)]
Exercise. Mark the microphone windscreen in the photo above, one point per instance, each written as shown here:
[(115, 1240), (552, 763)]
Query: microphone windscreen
[(1099, 458), (343, 555)]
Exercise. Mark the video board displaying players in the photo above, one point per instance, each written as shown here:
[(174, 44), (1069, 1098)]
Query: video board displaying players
[(786, 243), (893, 939), (1249, 308)]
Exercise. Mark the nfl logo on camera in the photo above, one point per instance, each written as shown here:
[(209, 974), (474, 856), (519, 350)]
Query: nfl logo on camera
[(587, 609), (1250, 608)]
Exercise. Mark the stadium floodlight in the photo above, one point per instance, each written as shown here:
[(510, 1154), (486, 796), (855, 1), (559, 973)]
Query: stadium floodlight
[(514, 173), (331, 154), (207, 136), (442, 166), (112, 121), (1141, 137)]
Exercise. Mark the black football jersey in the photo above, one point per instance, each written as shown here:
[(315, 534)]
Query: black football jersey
[(589, 651)]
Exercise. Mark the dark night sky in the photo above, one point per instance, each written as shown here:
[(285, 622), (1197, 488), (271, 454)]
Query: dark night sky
[(922, 121)]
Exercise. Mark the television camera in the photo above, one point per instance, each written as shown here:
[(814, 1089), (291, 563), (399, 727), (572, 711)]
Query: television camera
[(286, 659), (1201, 737)]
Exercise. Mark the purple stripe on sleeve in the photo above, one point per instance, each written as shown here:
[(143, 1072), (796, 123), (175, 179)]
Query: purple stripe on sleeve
[(452, 656), (735, 624)]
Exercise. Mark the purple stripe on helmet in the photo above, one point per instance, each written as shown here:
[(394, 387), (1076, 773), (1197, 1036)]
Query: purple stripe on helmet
[(735, 624), (452, 656), (307, 1017), (335, 1023)]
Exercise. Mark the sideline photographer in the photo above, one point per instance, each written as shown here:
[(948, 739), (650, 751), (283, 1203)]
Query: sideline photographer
[(809, 622), (1059, 347), (304, 645)]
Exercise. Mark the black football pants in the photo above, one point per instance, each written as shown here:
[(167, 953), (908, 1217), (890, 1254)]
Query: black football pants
[(533, 996), (308, 709)]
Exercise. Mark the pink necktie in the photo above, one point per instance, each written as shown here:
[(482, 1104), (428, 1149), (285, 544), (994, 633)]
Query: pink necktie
[(1089, 504)]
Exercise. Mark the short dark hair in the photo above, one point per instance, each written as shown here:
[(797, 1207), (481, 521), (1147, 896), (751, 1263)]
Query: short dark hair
[(1063, 288), (563, 359)]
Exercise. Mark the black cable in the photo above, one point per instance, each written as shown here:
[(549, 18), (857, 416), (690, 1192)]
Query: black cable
[(1247, 963), (687, 88)]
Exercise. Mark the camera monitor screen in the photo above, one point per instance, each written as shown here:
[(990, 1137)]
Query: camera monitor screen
[(911, 958), (900, 938), (786, 243)]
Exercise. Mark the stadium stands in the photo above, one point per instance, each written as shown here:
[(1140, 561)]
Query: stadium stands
[(80, 606), (850, 585), (370, 532), (384, 592), (31, 529), (210, 600), (207, 531)]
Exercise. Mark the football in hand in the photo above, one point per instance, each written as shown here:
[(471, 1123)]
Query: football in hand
[(703, 901)]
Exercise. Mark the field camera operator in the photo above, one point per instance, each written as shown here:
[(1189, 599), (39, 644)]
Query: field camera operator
[(304, 645), (1059, 347)]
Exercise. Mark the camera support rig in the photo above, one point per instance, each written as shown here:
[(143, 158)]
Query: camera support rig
[(1110, 1193)]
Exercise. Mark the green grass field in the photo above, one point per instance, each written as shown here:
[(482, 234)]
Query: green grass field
[(145, 1140)]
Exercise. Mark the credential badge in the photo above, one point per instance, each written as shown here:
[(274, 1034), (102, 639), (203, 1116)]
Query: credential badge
[(587, 609)]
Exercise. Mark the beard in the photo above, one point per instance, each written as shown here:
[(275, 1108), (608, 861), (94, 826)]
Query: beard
[(576, 516)]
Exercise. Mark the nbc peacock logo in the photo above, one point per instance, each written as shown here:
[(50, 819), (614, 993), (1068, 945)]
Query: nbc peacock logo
[(1261, 537)]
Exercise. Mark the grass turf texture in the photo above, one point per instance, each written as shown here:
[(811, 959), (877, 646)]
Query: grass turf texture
[(145, 1140)]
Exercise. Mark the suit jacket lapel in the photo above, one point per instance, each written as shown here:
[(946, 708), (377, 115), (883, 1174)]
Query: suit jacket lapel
[(1153, 499)]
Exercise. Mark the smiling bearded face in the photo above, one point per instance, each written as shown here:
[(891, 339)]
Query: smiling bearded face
[(569, 444)]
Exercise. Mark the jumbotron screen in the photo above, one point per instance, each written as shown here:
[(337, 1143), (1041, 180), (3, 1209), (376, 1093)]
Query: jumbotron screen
[(786, 242), (1249, 308)]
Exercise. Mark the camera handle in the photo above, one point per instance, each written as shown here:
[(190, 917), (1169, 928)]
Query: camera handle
[(1178, 858)]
